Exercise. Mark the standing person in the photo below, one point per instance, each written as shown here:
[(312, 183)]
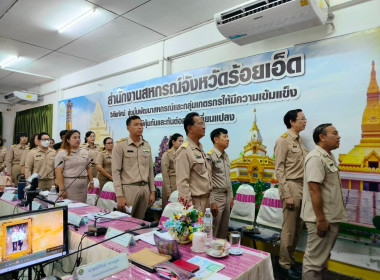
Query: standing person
[(13, 157), (41, 161), (3, 153), (221, 198), (104, 163), (290, 153), (322, 205), (93, 150), (33, 144), (21, 237), (58, 145), (192, 168), (132, 170), (52, 142), (14, 238), (75, 166), (168, 167)]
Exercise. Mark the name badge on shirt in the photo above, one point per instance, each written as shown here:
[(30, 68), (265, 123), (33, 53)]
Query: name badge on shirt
[(129, 151), (146, 151), (197, 155), (294, 146), (38, 155), (218, 161)]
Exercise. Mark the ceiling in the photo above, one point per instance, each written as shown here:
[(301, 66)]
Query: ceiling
[(29, 30)]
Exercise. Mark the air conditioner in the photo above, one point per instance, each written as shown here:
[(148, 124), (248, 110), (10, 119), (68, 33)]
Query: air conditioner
[(21, 97), (261, 19)]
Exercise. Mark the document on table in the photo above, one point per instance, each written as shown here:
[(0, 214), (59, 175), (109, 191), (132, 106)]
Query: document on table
[(207, 268), (148, 237), (77, 205)]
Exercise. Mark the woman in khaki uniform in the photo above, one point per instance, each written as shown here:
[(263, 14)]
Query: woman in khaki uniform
[(104, 163), (33, 144), (3, 153), (93, 150), (168, 167), (13, 157), (74, 166)]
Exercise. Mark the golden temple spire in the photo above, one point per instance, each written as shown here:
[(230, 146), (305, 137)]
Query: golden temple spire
[(371, 114), (255, 132)]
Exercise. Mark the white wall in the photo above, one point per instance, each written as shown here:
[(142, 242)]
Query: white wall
[(200, 47)]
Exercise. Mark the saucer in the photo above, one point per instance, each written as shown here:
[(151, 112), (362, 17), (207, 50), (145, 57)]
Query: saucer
[(201, 251), (210, 252), (236, 252)]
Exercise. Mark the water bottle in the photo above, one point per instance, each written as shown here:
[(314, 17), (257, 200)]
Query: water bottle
[(53, 194), (207, 219), (20, 187)]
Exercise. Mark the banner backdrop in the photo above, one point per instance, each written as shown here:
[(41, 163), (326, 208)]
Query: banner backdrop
[(329, 80)]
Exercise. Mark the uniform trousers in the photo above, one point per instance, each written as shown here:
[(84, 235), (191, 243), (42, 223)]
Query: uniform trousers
[(16, 169), (138, 198), (291, 226), (201, 202), (318, 251), (221, 221), (45, 184)]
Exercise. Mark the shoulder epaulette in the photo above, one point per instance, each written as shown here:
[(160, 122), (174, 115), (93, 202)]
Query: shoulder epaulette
[(210, 152), (120, 140), (27, 148), (185, 144), (169, 150), (284, 135), (14, 145)]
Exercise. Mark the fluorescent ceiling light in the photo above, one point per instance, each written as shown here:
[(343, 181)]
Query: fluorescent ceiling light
[(86, 14), (9, 61), (28, 73)]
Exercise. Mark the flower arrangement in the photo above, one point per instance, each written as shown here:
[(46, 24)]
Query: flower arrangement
[(183, 224)]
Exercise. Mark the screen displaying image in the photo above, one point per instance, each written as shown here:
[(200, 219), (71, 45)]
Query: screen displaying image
[(32, 237)]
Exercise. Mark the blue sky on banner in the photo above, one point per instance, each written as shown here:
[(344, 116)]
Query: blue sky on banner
[(333, 89)]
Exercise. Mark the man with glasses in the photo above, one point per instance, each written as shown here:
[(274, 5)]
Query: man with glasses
[(290, 153), (41, 161), (322, 204), (192, 168)]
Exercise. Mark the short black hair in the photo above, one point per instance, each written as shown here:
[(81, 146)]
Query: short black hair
[(320, 129), (174, 138), (105, 140), (88, 133), (41, 134), (217, 132), (291, 116), (20, 134), (131, 118), (62, 133), (189, 120)]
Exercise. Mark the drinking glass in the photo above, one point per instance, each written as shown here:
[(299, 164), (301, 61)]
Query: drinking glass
[(235, 242)]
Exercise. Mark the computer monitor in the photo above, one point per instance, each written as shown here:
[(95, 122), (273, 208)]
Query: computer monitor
[(32, 238)]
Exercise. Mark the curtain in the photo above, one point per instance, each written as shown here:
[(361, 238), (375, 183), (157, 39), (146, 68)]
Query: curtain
[(35, 120)]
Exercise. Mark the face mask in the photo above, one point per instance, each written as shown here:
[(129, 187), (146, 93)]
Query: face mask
[(45, 143)]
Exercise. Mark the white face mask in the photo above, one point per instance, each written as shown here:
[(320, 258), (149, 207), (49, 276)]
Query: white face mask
[(45, 143)]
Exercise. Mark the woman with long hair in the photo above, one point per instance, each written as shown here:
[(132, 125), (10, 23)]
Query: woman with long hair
[(13, 157), (74, 166), (168, 167), (104, 163), (92, 148)]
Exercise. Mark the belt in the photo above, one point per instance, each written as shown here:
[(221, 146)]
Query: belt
[(79, 177), (202, 196), (298, 181), (139, 184), (46, 179), (219, 190)]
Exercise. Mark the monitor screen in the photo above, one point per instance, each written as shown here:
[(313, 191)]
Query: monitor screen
[(31, 238)]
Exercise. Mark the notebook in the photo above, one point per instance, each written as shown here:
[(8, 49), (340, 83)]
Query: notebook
[(147, 258)]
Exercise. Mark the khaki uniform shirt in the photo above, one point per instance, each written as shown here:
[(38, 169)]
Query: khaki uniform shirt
[(168, 170), (24, 155), (321, 168), (41, 162), (132, 164), (290, 153), (74, 163), (105, 160), (14, 156), (3, 153), (221, 179), (92, 152), (193, 171)]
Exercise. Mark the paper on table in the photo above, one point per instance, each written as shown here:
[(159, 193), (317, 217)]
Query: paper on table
[(76, 205), (218, 276), (206, 267), (106, 217), (148, 237)]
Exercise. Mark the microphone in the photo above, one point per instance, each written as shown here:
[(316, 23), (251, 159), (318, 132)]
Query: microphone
[(65, 189)]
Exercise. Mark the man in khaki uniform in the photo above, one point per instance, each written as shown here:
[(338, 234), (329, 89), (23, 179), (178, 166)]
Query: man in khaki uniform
[(192, 168), (221, 197), (13, 157), (132, 171), (41, 161), (289, 166), (322, 205)]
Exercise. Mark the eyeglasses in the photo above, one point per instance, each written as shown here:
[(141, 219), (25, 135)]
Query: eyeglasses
[(109, 143), (45, 139), (303, 119)]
